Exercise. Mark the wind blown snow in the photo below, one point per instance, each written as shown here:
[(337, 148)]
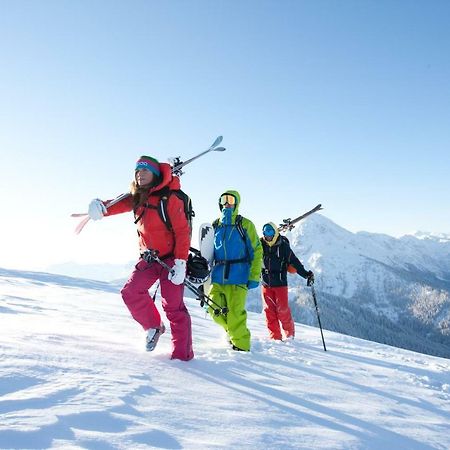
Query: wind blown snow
[(74, 374)]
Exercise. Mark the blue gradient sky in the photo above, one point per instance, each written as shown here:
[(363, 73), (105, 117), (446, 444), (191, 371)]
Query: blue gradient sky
[(344, 103)]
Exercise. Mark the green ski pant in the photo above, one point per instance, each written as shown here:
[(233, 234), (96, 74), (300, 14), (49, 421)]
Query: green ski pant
[(232, 296)]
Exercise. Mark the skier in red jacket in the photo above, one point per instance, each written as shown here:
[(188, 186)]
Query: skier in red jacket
[(152, 180)]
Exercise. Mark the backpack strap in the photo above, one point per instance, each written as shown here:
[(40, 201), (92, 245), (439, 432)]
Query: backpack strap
[(240, 228), (187, 207), (237, 224), (242, 232), (161, 207)]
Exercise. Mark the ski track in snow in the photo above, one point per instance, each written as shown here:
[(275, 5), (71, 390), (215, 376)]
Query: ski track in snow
[(74, 374)]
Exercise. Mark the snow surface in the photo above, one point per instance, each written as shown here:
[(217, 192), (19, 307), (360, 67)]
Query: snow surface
[(74, 375)]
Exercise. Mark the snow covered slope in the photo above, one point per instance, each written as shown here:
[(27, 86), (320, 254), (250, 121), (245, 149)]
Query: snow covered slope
[(73, 375), (373, 286)]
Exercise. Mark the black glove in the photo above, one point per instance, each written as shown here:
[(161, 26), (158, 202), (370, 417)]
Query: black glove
[(310, 278)]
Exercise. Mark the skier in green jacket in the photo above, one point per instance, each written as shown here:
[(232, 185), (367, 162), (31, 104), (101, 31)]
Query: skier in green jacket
[(236, 268)]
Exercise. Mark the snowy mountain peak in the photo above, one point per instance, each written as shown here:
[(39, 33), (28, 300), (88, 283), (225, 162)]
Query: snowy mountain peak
[(439, 237), (319, 224)]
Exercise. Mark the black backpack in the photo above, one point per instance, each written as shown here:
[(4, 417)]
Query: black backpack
[(165, 193)]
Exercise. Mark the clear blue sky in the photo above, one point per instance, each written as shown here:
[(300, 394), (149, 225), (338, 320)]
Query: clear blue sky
[(344, 103)]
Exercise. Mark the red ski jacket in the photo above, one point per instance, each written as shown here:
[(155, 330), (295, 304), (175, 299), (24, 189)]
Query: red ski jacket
[(153, 232)]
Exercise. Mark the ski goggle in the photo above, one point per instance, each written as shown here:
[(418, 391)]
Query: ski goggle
[(268, 231), (227, 198)]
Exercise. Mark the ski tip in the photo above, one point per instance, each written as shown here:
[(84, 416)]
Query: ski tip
[(217, 141), (81, 225)]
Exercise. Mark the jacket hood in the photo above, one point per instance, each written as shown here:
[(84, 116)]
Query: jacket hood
[(167, 179), (236, 195), (276, 235)]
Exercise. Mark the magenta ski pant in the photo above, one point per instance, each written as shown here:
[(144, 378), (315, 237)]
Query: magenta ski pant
[(143, 309)]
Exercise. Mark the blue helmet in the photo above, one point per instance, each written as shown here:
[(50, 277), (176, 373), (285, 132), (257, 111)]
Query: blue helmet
[(268, 230)]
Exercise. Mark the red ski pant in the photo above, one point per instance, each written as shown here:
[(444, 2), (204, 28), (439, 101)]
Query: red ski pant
[(276, 309), (143, 309)]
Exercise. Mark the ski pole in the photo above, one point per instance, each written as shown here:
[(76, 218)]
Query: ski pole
[(177, 165), (311, 283), (156, 291), (152, 255)]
